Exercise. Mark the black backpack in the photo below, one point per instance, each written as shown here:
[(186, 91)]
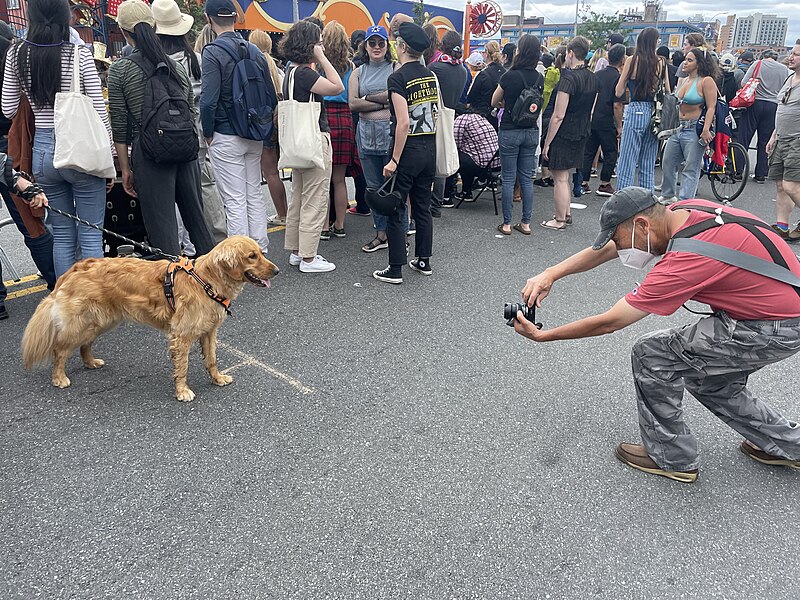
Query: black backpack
[(167, 133), (528, 106)]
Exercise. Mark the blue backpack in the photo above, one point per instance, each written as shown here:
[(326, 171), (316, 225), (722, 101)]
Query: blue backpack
[(254, 98)]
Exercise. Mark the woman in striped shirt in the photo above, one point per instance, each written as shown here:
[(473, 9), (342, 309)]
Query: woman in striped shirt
[(40, 67)]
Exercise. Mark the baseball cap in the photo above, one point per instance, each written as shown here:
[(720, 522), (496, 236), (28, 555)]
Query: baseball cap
[(475, 59), (615, 38), (747, 56), (623, 205), (727, 62), (414, 36), (132, 12), (377, 30), (220, 8)]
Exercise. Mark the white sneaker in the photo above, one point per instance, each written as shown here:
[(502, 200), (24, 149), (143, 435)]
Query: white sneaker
[(657, 187), (318, 265), (295, 259)]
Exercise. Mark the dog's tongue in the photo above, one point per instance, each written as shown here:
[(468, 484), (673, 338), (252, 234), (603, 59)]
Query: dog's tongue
[(267, 282)]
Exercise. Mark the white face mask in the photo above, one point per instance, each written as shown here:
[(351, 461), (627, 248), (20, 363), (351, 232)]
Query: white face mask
[(633, 257)]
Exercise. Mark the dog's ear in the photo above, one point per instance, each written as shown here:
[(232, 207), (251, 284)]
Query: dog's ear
[(226, 256)]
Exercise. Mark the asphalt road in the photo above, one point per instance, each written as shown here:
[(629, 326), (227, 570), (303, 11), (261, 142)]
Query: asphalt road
[(383, 441)]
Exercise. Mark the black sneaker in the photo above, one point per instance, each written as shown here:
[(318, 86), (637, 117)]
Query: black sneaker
[(760, 179), (540, 182), (421, 265), (436, 213), (3, 311), (325, 235), (412, 228), (338, 232), (387, 275), (448, 203)]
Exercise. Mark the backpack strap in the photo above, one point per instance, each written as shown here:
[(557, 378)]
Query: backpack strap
[(236, 56)]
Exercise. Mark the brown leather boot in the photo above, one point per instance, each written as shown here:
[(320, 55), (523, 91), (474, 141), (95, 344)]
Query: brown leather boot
[(634, 455)]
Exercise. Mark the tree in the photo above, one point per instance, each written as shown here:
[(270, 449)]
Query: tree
[(596, 27), (420, 17), (195, 9)]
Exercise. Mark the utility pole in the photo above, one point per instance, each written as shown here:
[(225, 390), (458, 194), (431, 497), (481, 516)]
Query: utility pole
[(521, 18), (576, 18), (295, 11)]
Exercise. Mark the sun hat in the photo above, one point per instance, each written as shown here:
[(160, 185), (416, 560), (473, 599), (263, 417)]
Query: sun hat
[(132, 12), (169, 18)]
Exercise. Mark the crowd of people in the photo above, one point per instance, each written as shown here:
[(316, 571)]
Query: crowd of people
[(379, 92)]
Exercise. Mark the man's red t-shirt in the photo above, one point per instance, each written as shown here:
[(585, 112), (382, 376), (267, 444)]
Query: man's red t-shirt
[(745, 296)]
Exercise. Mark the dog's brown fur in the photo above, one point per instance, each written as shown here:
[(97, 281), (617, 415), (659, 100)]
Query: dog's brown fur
[(96, 294)]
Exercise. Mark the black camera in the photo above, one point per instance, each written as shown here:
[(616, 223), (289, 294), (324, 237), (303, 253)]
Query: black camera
[(510, 313)]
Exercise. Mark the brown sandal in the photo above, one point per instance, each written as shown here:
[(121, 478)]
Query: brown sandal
[(519, 228), (503, 231)]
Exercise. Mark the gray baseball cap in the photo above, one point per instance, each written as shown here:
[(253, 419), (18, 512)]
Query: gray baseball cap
[(623, 205)]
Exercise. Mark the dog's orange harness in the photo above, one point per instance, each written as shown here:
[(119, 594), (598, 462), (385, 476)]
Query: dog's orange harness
[(186, 265)]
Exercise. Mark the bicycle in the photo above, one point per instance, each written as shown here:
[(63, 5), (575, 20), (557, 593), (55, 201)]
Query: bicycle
[(729, 180)]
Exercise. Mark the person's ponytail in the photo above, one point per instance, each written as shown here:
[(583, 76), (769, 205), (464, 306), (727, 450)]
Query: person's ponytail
[(149, 45)]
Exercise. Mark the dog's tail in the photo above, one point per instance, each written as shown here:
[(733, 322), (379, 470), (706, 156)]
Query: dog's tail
[(40, 334)]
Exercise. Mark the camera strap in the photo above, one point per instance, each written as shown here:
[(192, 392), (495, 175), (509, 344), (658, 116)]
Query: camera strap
[(777, 269)]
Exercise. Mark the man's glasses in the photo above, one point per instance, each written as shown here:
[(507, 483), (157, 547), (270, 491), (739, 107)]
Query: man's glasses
[(377, 43)]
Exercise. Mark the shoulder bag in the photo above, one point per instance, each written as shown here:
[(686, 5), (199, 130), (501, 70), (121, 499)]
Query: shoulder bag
[(665, 117), (298, 131), (82, 141), (446, 151), (746, 96)]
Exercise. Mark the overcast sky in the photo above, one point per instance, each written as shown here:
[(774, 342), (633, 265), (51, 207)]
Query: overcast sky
[(564, 12)]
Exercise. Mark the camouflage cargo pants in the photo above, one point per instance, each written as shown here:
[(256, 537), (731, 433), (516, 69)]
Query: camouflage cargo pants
[(712, 359)]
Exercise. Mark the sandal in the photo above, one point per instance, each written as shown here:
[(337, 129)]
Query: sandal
[(519, 228), (503, 231), (567, 219), (561, 227), (375, 245)]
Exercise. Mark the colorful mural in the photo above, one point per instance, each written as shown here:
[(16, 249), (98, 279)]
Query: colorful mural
[(276, 15)]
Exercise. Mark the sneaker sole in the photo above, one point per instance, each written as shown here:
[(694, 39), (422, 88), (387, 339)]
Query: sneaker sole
[(604, 194), (387, 279), (418, 270), (675, 476), (777, 462)]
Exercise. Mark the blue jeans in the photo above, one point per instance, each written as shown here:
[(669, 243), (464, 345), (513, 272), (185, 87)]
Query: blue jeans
[(73, 192), (638, 147), (517, 156), (372, 165), (683, 146)]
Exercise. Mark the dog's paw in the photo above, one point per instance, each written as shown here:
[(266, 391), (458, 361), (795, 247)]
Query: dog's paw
[(184, 395), (95, 363), (221, 380), (61, 381)]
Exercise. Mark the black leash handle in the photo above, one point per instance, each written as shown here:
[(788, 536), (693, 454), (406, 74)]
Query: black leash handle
[(155, 251)]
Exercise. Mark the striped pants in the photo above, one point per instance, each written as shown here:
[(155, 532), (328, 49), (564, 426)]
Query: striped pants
[(638, 147)]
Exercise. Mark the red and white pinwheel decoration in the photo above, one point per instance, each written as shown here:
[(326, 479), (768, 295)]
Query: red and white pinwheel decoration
[(485, 19)]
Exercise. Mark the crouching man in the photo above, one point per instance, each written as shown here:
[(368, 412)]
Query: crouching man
[(723, 257)]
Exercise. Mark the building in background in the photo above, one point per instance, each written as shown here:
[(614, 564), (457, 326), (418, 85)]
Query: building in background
[(725, 39), (760, 30)]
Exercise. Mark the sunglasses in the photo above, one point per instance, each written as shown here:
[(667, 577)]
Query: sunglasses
[(376, 43)]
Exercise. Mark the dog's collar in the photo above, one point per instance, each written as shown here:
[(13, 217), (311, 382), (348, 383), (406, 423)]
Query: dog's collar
[(186, 265)]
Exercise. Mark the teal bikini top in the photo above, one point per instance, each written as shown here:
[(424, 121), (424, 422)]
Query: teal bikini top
[(692, 96)]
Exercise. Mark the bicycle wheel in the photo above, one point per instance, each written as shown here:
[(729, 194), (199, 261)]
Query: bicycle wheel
[(729, 181)]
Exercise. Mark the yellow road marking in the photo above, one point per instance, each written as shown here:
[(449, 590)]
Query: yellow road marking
[(26, 279), (252, 360), (26, 291), (276, 228)]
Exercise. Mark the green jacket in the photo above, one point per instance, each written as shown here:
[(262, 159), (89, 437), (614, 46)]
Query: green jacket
[(551, 79)]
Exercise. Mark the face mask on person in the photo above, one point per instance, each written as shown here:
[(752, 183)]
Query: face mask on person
[(633, 257)]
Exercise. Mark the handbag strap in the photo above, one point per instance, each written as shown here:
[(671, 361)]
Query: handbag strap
[(75, 84), (438, 93), (756, 70), (290, 84), (385, 183)]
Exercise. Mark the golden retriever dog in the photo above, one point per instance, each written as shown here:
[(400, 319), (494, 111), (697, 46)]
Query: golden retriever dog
[(96, 294)]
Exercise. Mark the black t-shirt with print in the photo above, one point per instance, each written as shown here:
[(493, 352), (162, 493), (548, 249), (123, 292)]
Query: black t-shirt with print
[(304, 80), (417, 85)]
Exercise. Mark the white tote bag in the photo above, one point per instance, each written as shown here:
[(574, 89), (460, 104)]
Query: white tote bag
[(298, 132), (446, 151), (82, 141)]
